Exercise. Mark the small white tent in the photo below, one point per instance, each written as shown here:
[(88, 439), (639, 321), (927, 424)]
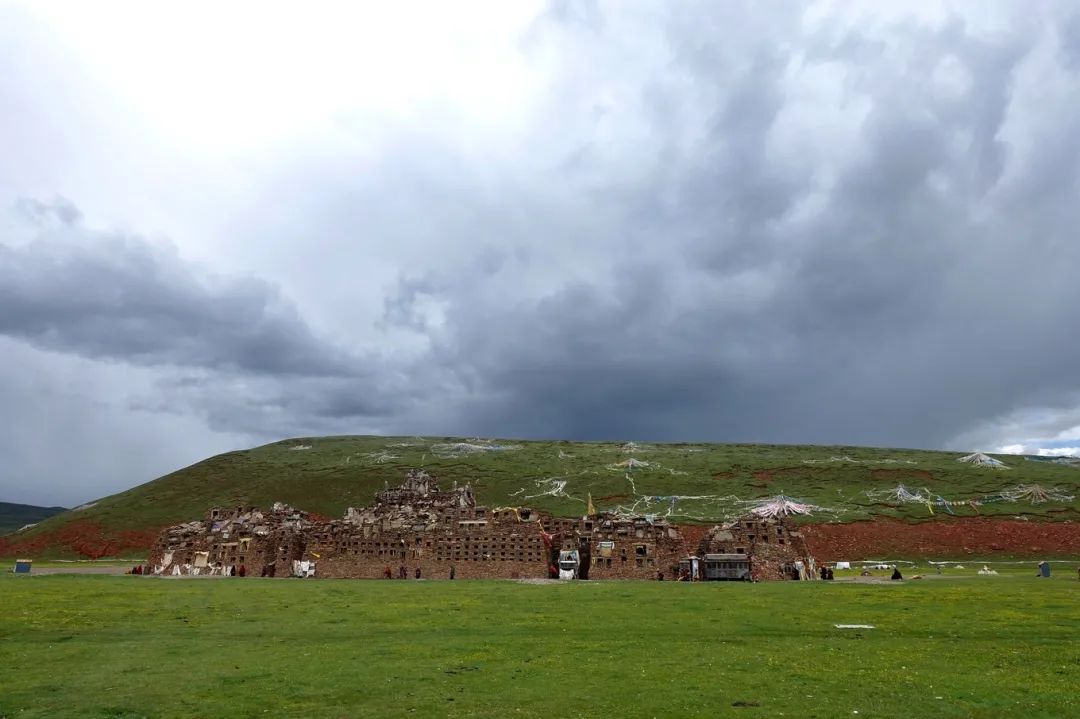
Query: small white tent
[(983, 460)]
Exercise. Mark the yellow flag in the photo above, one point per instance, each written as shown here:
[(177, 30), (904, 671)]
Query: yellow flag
[(591, 510)]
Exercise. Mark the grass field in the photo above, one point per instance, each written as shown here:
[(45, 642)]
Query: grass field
[(701, 483), (132, 647)]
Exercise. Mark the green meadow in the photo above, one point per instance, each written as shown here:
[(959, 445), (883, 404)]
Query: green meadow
[(122, 646)]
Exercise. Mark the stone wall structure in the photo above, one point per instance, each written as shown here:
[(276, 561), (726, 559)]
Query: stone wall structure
[(420, 526), (775, 546), (232, 538)]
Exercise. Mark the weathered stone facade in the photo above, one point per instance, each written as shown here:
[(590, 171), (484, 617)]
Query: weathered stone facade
[(775, 546), (260, 542), (418, 526)]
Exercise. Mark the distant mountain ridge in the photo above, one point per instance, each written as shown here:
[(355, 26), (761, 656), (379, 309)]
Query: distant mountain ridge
[(15, 516)]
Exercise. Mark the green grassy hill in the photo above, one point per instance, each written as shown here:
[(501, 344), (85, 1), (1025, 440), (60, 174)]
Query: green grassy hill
[(14, 516), (689, 483)]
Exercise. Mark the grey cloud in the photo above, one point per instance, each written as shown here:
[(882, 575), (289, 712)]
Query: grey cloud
[(710, 226), (58, 210), (901, 314), (120, 297), (70, 437)]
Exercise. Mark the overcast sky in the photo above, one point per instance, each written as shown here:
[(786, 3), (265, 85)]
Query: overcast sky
[(222, 225)]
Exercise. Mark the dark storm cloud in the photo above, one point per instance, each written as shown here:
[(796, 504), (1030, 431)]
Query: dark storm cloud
[(921, 297), (119, 297), (728, 226), (910, 302)]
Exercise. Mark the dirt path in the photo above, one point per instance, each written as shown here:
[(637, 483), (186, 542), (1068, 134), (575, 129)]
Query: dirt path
[(81, 569)]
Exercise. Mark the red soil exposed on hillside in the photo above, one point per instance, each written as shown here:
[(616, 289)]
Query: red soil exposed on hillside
[(951, 537), (946, 537), (765, 476), (84, 538)]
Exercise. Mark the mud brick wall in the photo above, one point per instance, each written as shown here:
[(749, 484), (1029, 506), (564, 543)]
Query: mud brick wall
[(493, 548), (417, 525), (369, 568), (773, 545), (625, 548), (233, 538), (635, 557)]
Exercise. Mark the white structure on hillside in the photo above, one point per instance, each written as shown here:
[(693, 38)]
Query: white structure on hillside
[(983, 460)]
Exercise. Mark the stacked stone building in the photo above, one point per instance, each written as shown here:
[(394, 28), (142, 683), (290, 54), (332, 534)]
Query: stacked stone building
[(774, 546), (232, 538), (419, 526)]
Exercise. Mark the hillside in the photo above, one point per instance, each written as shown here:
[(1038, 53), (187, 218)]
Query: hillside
[(15, 516), (688, 483)]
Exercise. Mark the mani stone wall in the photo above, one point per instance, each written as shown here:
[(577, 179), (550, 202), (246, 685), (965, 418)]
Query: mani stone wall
[(419, 526), (497, 544), (623, 548), (261, 542), (476, 541), (774, 544)]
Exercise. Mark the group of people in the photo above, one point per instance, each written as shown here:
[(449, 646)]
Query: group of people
[(826, 573), (403, 573)]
